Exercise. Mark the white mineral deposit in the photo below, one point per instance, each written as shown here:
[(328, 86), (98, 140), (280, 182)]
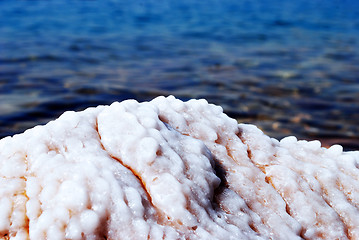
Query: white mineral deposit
[(168, 169)]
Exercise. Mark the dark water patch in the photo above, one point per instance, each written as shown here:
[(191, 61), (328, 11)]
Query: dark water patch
[(185, 68), (273, 52), (78, 46), (281, 23), (328, 125), (340, 56), (87, 91), (314, 104), (32, 58), (252, 38), (241, 115)]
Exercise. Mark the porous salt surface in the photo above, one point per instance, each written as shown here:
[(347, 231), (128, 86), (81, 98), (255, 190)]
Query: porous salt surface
[(168, 169)]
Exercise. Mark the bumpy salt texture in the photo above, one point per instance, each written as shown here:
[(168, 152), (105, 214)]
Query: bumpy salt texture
[(168, 169)]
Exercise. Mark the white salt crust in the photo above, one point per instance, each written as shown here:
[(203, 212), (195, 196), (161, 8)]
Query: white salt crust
[(168, 169)]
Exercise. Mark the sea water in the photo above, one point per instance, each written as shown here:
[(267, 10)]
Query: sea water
[(290, 67)]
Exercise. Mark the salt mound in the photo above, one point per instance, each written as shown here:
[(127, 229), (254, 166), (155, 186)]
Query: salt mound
[(168, 169)]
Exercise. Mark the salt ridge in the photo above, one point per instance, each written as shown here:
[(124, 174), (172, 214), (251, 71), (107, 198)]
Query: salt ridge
[(168, 169)]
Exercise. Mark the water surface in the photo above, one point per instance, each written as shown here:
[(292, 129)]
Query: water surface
[(290, 67)]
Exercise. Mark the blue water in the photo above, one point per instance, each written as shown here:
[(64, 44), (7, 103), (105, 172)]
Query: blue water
[(290, 67)]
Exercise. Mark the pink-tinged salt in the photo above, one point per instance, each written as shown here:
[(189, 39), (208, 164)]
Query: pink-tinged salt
[(168, 169)]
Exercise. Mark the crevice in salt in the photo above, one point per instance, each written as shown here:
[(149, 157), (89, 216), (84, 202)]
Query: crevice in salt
[(262, 167), (159, 216), (347, 232), (239, 134), (248, 204), (302, 233), (287, 208), (325, 196), (27, 220), (26, 225), (346, 193), (5, 236), (221, 174), (356, 164), (253, 227)]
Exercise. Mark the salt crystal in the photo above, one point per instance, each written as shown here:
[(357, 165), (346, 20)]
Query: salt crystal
[(174, 170)]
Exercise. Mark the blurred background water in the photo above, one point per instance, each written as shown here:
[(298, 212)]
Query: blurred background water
[(290, 67)]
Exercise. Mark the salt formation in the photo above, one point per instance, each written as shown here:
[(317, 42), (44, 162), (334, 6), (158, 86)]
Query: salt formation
[(168, 169)]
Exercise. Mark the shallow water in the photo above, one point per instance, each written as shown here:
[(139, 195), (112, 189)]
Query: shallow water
[(290, 67)]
